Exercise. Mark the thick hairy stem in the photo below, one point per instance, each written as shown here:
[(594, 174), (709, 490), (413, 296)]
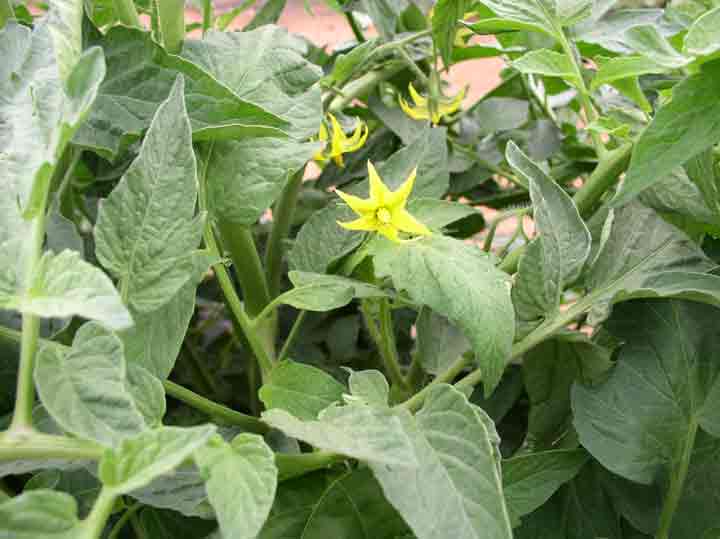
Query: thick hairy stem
[(282, 222), (384, 339), (172, 24), (207, 12), (37, 446), (94, 524), (364, 85), (354, 26)]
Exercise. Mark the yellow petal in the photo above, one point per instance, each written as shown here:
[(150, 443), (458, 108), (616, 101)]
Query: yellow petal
[(414, 113), (357, 204), (358, 138), (402, 220), (390, 232), (448, 106), (338, 137), (338, 158), (378, 190), (419, 100), (398, 198), (323, 134), (364, 223)]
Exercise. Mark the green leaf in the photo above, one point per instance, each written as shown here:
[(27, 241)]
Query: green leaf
[(147, 230), (549, 371), (183, 491), (618, 68), (457, 490), (269, 13), (346, 64), (166, 524), (124, 109), (32, 143), (661, 387), (137, 461), (384, 14), (638, 248), (548, 63), (148, 393), (532, 15), (557, 257), (246, 176), (355, 430), (321, 242), (437, 214), (320, 292), (460, 282), (64, 21), (703, 37), (84, 389), (64, 285), (446, 14), (701, 171), (439, 342), (649, 42), (39, 514), (241, 483), (350, 505), (678, 132), (530, 479), (302, 390), (370, 387), (262, 77)]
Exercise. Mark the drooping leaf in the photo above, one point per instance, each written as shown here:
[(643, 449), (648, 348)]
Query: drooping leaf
[(661, 387), (703, 37), (457, 489), (530, 479), (356, 430), (461, 283), (557, 257), (84, 387), (39, 514), (262, 77), (241, 483), (302, 390), (351, 506), (139, 460), (678, 132), (147, 230), (64, 285)]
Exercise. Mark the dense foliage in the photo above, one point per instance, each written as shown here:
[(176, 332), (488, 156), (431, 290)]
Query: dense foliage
[(371, 358)]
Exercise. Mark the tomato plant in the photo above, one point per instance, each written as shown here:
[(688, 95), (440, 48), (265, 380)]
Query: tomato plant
[(252, 288)]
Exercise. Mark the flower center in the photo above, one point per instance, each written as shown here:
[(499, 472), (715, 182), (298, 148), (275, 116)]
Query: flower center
[(383, 215)]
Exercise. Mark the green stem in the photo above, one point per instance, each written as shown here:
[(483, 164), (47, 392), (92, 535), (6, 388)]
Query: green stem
[(282, 222), (677, 481), (94, 524), (214, 409), (127, 515), (16, 445), (6, 12), (294, 330), (422, 77), (239, 242), (207, 12), (172, 24), (126, 13), (384, 339), (364, 84), (609, 168), (415, 402), (290, 465), (355, 27)]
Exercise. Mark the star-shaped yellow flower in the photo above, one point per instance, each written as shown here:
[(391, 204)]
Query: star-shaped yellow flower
[(421, 110), (340, 143), (384, 211)]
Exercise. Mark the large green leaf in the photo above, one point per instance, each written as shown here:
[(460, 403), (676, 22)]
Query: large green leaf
[(350, 505), (370, 386), (39, 514), (271, 73), (245, 177), (241, 483), (679, 131), (460, 282), (84, 387), (147, 230), (648, 41), (139, 460), (636, 250), (547, 16), (63, 285), (140, 76), (183, 491), (446, 14), (64, 21), (302, 390), (356, 430), (439, 342), (703, 37), (530, 479), (662, 386), (548, 63), (457, 489), (557, 257)]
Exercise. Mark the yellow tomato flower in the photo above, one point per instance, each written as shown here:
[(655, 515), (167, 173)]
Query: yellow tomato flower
[(339, 142), (421, 110), (384, 211)]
